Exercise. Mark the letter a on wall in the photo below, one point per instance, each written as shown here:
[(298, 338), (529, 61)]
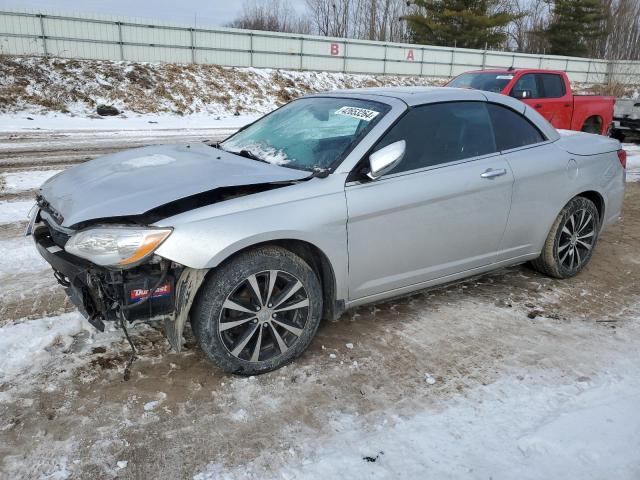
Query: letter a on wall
[(410, 56), (335, 49)]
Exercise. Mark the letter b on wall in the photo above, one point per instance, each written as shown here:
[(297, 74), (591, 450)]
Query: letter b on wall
[(334, 49)]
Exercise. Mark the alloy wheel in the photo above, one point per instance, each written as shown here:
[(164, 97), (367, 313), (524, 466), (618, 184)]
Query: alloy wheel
[(264, 316), (576, 239)]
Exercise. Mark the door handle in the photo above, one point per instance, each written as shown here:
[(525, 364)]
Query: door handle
[(538, 105), (491, 173)]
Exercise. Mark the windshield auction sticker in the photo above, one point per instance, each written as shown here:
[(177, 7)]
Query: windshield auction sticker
[(356, 112), (504, 77)]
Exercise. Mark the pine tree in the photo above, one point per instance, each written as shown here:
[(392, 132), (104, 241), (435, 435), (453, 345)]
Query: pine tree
[(575, 26), (464, 23)]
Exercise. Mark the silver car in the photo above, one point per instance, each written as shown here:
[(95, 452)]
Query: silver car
[(334, 200)]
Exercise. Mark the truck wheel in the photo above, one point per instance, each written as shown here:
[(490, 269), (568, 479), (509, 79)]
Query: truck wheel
[(618, 135), (258, 311), (571, 240), (592, 125)]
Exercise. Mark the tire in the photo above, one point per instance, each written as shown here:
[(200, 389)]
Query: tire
[(229, 320), (618, 135), (566, 253)]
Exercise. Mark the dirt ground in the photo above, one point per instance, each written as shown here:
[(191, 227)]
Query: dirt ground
[(77, 418)]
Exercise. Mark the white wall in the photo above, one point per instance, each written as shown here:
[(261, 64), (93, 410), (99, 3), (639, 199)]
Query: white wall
[(121, 38)]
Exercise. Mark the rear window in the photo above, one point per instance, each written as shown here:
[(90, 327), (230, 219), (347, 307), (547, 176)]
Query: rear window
[(489, 82), (552, 85), (511, 129)]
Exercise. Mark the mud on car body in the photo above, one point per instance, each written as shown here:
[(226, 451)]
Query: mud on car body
[(332, 201)]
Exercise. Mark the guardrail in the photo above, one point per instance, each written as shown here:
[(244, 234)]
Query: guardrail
[(121, 38)]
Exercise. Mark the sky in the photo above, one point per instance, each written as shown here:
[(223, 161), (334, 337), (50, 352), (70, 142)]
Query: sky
[(203, 12)]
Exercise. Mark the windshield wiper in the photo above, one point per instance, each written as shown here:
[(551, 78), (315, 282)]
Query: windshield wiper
[(249, 154)]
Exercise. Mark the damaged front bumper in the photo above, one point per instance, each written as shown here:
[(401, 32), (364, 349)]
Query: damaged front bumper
[(157, 290)]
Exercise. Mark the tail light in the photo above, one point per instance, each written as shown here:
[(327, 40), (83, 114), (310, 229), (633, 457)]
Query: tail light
[(622, 156)]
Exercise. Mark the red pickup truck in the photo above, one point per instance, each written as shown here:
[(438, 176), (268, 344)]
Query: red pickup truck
[(549, 92)]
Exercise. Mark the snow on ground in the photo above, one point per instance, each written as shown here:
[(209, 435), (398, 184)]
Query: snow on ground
[(122, 125), (16, 182), (24, 347), (23, 256), (75, 87), (536, 420), (633, 162), (12, 212), (506, 430)]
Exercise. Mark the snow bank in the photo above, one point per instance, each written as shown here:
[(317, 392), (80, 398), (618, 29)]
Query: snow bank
[(26, 347), (76, 87)]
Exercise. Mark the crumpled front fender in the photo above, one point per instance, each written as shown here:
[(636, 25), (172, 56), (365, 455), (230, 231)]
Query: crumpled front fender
[(187, 287)]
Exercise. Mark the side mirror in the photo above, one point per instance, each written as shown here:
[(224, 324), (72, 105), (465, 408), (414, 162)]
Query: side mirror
[(521, 94), (385, 159)]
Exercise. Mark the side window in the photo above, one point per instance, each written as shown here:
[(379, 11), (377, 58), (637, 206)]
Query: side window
[(527, 82), (512, 130), (441, 133), (552, 84)]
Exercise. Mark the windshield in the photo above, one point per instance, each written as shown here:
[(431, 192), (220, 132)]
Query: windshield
[(308, 133), (489, 82)]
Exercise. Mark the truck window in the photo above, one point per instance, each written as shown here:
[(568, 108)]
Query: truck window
[(527, 82), (511, 129), (488, 81), (552, 85)]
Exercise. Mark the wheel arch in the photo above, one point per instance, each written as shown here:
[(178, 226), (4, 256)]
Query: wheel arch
[(315, 257), (593, 118), (597, 199)]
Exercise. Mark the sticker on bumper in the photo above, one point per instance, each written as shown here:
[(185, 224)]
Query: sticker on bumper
[(138, 294)]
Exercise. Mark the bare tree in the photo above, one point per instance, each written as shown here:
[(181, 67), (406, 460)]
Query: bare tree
[(364, 19), (623, 25), (381, 20), (272, 15), (532, 17)]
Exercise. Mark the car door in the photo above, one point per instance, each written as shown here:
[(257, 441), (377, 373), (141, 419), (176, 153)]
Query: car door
[(540, 173), (548, 96), (442, 210)]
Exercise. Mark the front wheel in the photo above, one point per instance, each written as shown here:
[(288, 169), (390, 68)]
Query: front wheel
[(571, 240), (258, 311)]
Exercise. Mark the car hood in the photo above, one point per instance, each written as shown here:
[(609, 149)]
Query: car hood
[(134, 182)]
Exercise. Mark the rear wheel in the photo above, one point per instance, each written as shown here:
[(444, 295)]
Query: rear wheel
[(571, 241), (258, 311)]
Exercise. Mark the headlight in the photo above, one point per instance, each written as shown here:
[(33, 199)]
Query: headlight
[(116, 246)]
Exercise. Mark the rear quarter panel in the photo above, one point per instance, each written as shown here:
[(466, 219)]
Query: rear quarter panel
[(586, 106), (546, 178)]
